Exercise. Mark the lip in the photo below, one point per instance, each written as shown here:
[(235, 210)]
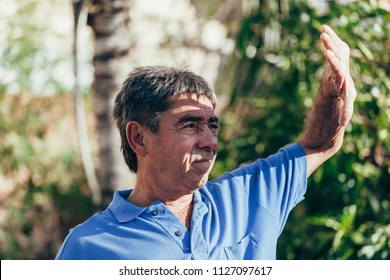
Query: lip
[(203, 161), (202, 166)]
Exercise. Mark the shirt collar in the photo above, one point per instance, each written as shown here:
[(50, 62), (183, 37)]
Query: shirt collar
[(123, 210)]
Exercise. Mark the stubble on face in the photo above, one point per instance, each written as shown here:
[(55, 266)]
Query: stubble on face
[(185, 148)]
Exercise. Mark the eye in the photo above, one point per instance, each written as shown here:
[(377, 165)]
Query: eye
[(190, 125), (214, 127)]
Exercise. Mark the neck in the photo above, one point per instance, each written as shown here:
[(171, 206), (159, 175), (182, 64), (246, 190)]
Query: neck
[(183, 210), (180, 206)]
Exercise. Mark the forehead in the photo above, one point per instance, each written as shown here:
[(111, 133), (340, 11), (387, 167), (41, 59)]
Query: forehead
[(185, 103)]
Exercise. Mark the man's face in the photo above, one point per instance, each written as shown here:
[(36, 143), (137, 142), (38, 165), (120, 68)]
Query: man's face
[(183, 151)]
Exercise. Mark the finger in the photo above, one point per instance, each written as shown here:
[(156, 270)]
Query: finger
[(336, 39), (334, 63), (329, 44), (337, 45), (348, 94)]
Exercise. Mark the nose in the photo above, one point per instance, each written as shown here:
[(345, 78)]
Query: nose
[(208, 139)]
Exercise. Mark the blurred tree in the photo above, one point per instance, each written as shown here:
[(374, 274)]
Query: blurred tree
[(109, 20), (272, 79), (43, 191), (229, 14)]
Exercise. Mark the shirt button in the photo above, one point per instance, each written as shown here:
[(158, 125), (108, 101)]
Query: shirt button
[(155, 212), (178, 233)]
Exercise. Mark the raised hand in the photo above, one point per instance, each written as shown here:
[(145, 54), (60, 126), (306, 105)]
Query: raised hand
[(336, 80), (332, 108)]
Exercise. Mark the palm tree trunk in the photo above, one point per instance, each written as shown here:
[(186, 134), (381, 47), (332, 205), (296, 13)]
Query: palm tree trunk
[(109, 20)]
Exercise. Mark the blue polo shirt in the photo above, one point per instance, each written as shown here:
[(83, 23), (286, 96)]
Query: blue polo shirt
[(237, 216)]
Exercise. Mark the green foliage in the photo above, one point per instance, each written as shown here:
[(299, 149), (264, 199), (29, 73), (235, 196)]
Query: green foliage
[(274, 75), (43, 188), (28, 61)]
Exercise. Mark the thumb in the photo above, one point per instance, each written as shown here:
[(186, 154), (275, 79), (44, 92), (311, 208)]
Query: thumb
[(348, 95)]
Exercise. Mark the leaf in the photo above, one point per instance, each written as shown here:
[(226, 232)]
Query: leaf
[(365, 50)]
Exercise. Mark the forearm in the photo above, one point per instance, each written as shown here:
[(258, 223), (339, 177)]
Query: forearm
[(322, 136), (322, 130)]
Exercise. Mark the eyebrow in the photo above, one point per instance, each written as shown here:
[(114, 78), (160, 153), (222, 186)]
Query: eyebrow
[(193, 118)]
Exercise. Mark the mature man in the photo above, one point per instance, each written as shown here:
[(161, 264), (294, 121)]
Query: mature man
[(169, 138)]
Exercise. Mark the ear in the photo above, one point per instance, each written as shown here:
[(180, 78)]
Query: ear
[(135, 135)]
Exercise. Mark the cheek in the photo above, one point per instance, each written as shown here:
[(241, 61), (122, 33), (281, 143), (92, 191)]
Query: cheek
[(184, 155), (184, 146), (186, 159), (177, 151)]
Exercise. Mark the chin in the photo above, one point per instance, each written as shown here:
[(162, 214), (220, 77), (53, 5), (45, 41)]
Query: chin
[(196, 180), (203, 182), (198, 184)]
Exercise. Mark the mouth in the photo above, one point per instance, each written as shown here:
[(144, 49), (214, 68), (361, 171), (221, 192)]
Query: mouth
[(205, 160), (203, 165)]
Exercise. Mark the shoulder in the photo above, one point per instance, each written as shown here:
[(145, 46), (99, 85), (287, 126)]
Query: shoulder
[(264, 178), (289, 157), (82, 238)]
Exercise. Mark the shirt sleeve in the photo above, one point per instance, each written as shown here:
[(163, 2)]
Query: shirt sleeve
[(276, 183)]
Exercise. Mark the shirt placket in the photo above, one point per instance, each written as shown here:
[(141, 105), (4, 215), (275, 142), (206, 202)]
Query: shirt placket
[(171, 225), (199, 247)]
